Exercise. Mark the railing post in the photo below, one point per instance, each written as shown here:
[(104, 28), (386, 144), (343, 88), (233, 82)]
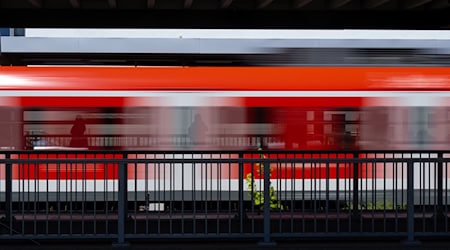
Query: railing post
[(241, 193), (8, 192), (440, 186), (355, 210), (267, 240), (122, 203), (410, 202)]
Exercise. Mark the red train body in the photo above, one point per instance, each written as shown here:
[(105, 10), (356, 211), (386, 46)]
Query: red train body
[(293, 108)]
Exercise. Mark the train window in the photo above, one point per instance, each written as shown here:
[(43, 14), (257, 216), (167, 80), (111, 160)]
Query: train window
[(172, 127), (404, 128), (433, 129), (59, 127)]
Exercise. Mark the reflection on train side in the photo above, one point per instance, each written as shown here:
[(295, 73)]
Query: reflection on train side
[(229, 127)]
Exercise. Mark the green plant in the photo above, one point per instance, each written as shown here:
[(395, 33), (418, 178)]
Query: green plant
[(258, 196)]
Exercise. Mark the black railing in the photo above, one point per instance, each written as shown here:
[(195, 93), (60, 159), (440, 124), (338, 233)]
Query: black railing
[(266, 195)]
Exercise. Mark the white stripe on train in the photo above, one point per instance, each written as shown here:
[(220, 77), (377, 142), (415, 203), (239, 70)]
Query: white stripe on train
[(280, 185), (256, 93)]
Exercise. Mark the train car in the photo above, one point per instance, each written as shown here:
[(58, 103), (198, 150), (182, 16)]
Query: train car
[(156, 109)]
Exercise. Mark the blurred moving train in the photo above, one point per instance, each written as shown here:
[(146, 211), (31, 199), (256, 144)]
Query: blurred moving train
[(220, 108), (238, 107)]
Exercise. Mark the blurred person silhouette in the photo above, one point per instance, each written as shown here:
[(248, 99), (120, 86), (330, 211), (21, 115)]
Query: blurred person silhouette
[(79, 140), (197, 130), (423, 136)]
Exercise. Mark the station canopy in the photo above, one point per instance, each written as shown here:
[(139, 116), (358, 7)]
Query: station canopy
[(255, 14)]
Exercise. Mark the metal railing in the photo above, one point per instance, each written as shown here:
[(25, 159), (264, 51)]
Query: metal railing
[(100, 142), (266, 195)]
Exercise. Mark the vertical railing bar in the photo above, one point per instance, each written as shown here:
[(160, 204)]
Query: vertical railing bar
[(22, 196), (219, 187), (230, 198), (252, 192), (159, 191), (241, 192), (194, 205), (426, 199), (355, 210), (69, 193), (429, 180), (76, 186), (183, 216), (404, 185), (206, 190), (410, 198), (434, 165), (172, 195), (83, 196), (95, 198), (303, 195), (373, 194), (147, 192), (105, 196), (122, 201), (366, 190), (422, 190), (314, 189), (267, 238), (327, 195), (446, 192), (293, 191), (347, 195), (46, 200), (58, 195), (440, 184), (136, 208), (8, 193), (71, 198), (203, 192), (36, 196), (279, 193), (338, 199), (384, 194), (396, 166)]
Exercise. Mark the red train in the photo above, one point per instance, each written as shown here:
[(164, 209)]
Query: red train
[(219, 108)]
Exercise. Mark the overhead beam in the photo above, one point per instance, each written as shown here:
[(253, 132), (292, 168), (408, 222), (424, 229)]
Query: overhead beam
[(301, 3), (171, 19), (411, 4), (151, 4), (36, 3), (440, 4), (112, 4), (225, 3), (339, 3), (371, 4), (188, 4), (264, 3), (75, 3)]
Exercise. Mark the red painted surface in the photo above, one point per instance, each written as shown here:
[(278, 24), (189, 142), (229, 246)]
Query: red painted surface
[(64, 171), (224, 78)]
